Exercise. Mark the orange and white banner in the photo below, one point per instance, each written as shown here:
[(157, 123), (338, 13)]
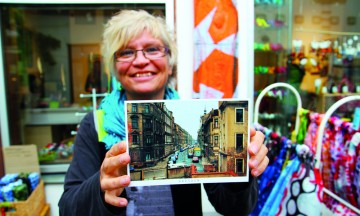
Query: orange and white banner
[(215, 53)]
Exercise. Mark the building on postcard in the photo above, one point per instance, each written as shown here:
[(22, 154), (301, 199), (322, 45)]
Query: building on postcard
[(150, 133), (169, 126), (182, 137), (210, 135), (233, 137), (215, 135)]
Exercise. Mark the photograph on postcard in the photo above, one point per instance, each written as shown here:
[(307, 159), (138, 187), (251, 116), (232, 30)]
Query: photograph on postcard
[(187, 141)]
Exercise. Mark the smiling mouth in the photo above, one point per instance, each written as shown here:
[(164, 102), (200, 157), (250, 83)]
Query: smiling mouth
[(143, 74)]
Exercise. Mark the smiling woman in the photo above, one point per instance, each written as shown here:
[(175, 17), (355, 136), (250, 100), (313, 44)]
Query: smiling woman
[(97, 176)]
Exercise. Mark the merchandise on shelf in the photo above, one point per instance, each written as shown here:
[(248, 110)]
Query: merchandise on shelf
[(17, 186), (53, 151)]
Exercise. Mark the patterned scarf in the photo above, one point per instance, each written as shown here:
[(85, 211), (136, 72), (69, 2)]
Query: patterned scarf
[(113, 122)]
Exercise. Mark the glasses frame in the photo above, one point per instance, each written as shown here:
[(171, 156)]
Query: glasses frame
[(165, 51)]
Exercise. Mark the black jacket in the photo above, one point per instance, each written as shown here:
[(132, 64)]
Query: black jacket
[(82, 194)]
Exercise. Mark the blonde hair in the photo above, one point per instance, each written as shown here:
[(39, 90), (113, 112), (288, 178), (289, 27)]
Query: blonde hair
[(127, 24)]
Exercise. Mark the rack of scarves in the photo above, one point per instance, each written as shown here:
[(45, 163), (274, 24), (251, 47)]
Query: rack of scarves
[(293, 184), (337, 161)]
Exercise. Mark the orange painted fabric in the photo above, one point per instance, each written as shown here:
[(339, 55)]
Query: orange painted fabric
[(216, 68)]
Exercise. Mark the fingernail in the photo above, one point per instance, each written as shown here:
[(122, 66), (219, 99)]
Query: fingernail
[(254, 163), (122, 203), (254, 149)]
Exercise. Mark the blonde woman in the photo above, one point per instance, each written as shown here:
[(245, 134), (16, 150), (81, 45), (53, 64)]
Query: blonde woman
[(141, 54)]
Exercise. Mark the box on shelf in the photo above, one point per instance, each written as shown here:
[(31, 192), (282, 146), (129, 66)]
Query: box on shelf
[(23, 158), (34, 205)]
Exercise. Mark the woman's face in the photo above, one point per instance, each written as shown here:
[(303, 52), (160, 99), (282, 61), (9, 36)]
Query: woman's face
[(144, 79)]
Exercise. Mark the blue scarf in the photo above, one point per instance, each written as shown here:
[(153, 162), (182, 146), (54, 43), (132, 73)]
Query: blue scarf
[(114, 115)]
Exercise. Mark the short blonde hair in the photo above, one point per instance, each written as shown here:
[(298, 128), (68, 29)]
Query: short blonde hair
[(127, 24)]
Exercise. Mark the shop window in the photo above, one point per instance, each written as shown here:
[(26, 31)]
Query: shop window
[(52, 56)]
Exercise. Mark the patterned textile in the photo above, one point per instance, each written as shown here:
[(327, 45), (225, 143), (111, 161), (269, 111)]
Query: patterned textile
[(302, 195), (271, 174), (312, 130), (272, 204)]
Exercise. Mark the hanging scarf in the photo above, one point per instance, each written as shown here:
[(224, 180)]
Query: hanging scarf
[(111, 117)]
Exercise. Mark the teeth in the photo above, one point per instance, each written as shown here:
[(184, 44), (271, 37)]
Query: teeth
[(143, 74)]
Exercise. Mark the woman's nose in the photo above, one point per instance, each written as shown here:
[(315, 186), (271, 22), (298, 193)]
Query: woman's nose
[(140, 57)]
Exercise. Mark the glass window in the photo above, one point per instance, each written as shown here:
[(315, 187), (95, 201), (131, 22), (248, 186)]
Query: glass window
[(147, 108), (239, 115), (134, 108), (312, 45), (52, 56), (135, 138), (216, 141), (239, 142), (240, 165), (216, 123)]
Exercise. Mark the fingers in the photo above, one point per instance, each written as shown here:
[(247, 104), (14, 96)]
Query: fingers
[(112, 198), (113, 174), (252, 132), (115, 183), (256, 141), (257, 151), (116, 149), (259, 162), (115, 163)]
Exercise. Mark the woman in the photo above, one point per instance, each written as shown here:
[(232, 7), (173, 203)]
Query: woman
[(142, 56)]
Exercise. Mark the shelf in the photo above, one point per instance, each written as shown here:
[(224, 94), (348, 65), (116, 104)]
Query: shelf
[(284, 27), (50, 116), (54, 168)]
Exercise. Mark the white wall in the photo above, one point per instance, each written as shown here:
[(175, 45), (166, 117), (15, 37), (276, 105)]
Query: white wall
[(53, 193)]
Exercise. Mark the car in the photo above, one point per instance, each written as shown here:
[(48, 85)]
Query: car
[(179, 165), (173, 159), (195, 159)]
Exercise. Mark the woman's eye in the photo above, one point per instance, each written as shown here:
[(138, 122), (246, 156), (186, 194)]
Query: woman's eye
[(126, 52), (152, 49)]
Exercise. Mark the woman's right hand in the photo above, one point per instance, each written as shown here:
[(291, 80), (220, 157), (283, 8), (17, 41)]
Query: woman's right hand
[(113, 174)]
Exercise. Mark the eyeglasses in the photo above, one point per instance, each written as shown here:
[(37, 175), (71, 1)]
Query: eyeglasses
[(151, 53)]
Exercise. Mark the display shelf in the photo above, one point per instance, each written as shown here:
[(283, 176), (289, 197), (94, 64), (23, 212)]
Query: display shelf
[(52, 116), (326, 100), (54, 168)]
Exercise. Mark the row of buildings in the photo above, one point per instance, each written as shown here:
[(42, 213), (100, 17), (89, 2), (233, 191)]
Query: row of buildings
[(223, 136), (153, 134)]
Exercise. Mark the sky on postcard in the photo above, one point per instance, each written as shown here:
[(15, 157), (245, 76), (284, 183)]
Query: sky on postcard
[(187, 113)]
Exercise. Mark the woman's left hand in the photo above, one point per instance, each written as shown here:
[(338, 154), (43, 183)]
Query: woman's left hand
[(258, 151)]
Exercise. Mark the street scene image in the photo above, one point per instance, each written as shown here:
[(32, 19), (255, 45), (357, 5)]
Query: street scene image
[(187, 141)]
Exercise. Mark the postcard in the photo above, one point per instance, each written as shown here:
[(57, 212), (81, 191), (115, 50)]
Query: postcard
[(187, 141)]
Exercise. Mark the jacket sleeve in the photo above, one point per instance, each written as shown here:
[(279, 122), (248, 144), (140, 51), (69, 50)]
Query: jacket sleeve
[(233, 198), (82, 194)]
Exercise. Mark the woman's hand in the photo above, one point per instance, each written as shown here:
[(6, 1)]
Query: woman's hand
[(257, 150), (113, 174)]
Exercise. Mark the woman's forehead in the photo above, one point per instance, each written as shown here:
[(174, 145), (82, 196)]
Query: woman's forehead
[(144, 36)]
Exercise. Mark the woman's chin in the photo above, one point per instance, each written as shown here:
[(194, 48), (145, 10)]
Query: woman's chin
[(146, 94)]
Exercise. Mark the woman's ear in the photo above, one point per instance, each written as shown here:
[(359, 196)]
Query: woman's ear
[(170, 70)]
